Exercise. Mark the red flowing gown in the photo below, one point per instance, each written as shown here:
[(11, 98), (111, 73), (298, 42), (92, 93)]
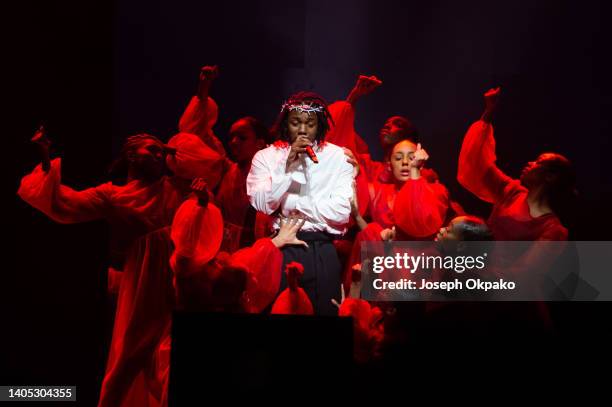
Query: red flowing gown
[(138, 362)]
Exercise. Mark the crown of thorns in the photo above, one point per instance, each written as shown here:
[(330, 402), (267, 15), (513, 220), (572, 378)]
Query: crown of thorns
[(302, 107)]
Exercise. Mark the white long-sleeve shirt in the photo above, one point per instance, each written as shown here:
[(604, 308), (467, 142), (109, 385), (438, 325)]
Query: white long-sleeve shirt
[(320, 191)]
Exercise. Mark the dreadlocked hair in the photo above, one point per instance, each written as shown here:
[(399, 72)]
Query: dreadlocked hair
[(119, 168), (281, 127)]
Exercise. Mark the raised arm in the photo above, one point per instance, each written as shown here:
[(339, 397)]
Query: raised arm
[(201, 114), (43, 190), (420, 207), (364, 86), (477, 171)]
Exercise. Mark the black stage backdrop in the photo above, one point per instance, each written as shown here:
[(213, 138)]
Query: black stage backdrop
[(97, 71)]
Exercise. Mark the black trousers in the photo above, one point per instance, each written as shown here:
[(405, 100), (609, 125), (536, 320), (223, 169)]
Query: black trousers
[(322, 269)]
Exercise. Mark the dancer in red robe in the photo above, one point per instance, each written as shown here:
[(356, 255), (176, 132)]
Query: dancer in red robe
[(142, 210), (524, 209), (409, 209), (247, 135), (206, 279)]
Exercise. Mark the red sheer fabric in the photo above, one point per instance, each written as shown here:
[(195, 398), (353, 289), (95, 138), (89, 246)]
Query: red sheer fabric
[(199, 119), (197, 234), (510, 218), (293, 300), (342, 133), (263, 260), (135, 368), (420, 208), (195, 159)]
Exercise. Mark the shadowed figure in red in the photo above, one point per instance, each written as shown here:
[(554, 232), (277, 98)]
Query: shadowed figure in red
[(411, 208), (525, 209), (247, 135), (293, 300), (207, 279), (141, 211)]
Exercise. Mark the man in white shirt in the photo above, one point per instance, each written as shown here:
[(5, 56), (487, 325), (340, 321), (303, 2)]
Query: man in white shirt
[(286, 179)]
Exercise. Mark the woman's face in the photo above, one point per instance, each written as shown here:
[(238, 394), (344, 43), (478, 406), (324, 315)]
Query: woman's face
[(532, 173), (449, 233), (243, 141), (302, 124), (393, 130), (148, 159), (400, 159)]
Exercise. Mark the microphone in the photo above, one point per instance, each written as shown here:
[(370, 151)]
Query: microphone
[(312, 154)]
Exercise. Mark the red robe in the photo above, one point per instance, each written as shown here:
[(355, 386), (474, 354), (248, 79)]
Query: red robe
[(510, 218), (137, 364), (196, 233), (242, 225)]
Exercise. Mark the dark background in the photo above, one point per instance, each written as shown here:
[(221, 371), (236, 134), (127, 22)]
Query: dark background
[(95, 72)]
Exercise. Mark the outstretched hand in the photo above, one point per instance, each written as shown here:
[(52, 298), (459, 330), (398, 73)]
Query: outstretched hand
[(43, 143), (491, 98), (200, 189), (287, 234), (40, 138), (364, 86)]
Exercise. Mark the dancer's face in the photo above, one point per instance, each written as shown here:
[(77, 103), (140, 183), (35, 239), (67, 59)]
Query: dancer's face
[(400, 159), (148, 159), (302, 124), (533, 173), (449, 233), (393, 130), (243, 141)]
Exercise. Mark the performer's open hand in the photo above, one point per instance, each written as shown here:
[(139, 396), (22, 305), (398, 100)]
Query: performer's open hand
[(200, 189), (287, 234), (420, 156)]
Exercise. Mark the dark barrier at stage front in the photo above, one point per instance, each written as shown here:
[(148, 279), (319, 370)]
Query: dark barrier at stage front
[(216, 354)]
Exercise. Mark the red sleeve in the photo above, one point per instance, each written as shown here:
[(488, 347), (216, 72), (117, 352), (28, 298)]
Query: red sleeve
[(264, 261), (197, 233), (420, 207), (477, 171), (195, 159), (362, 146), (342, 131), (199, 119), (45, 192)]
